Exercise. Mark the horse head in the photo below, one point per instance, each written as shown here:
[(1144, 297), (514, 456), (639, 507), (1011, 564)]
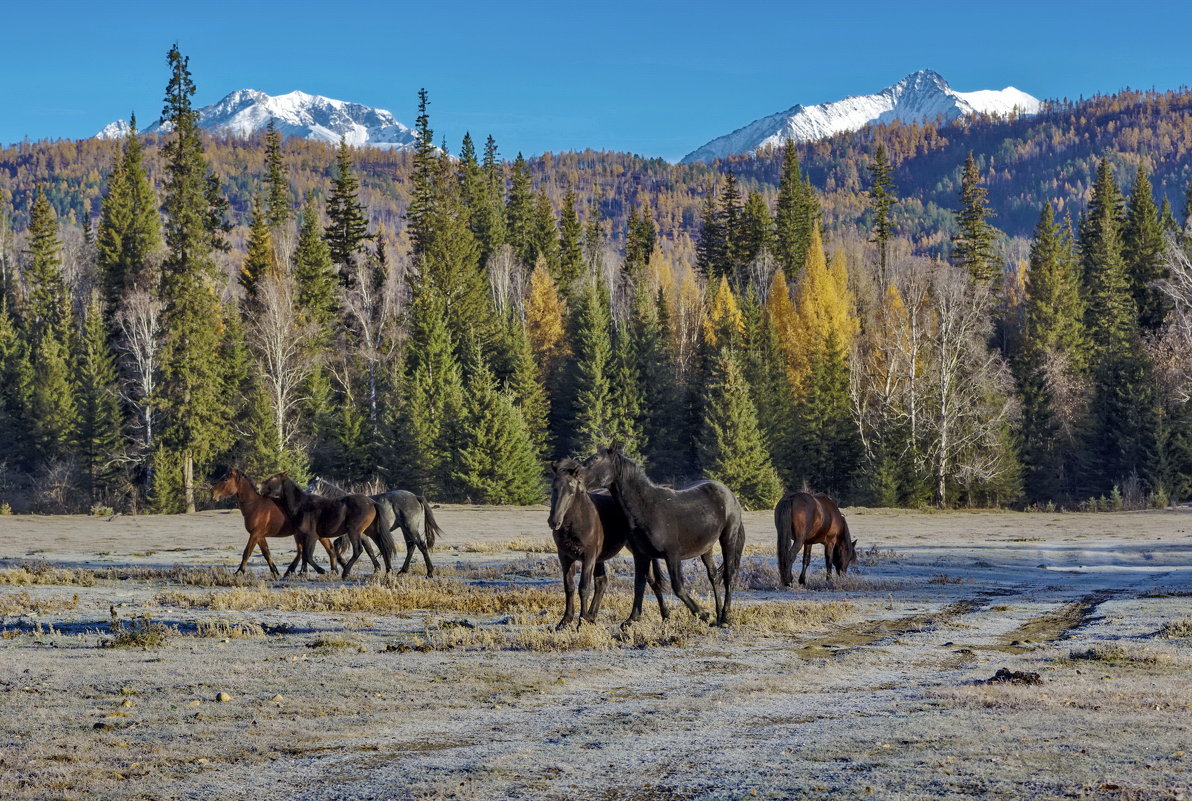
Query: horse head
[(227, 486), (846, 552), (566, 484), (277, 485), (313, 484), (604, 467)]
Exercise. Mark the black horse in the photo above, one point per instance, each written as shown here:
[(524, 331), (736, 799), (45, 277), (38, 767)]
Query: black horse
[(589, 529), (673, 525), (397, 509), (315, 517)]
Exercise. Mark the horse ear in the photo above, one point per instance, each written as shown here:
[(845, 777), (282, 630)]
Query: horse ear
[(615, 447), (554, 467)]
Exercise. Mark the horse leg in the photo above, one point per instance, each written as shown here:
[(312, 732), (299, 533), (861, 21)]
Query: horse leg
[(268, 557), (357, 550), (410, 545), (710, 565), (806, 563), (585, 588), (601, 576), (368, 549), (568, 566), (430, 569), (298, 543), (674, 566), (655, 579), (641, 566), (248, 549), (732, 543), (828, 559), (333, 549)]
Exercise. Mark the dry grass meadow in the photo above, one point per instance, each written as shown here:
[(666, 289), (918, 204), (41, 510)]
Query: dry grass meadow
[(134, 664)]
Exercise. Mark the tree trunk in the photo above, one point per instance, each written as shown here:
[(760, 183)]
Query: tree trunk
[(188, 481)]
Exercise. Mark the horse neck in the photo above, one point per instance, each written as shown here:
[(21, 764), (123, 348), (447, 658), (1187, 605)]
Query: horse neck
[(580, 513), (247, 494), (632, 489)]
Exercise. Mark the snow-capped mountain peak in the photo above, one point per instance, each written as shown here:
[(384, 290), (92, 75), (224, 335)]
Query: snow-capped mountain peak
[(921, 95), (248, 111)]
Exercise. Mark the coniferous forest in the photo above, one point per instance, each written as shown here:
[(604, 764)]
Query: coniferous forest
[(987, 312)]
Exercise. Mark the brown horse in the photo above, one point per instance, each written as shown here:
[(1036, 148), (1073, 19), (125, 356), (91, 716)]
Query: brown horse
[(315, 518), (589, 529), (804, 519), (262, 516)]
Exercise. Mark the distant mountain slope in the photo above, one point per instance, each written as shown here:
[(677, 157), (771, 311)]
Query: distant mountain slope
[(922, 95), (248, 111)]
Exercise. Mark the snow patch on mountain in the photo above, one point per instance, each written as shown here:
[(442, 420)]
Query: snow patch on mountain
[(921, 95), (248, 111)]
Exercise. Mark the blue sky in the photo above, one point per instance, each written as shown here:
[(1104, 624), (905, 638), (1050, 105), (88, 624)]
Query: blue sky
[(658, 79)]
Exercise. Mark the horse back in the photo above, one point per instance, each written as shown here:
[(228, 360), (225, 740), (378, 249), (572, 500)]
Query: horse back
[(808, 517)]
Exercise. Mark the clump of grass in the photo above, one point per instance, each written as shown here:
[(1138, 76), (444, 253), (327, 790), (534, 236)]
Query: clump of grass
[(331, 643), (1174, 629), (1119, 654), (228, 629), (99, 510), (5, 509), (19, 603), (139, 633), (756, 549), (44, 573), (944, 578), (522, 544), (217, 576), (873, 556), (386, 596), (789, 617)]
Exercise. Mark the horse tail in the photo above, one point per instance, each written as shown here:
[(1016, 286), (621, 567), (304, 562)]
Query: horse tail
[(432, 526), (731, 563), (783, 522), (384, 536)]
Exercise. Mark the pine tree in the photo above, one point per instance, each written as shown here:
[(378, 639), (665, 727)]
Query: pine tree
[(314, 271), (628, 397), (1055, 308), (730, 226), (526, 388), (881, 200), (661, 399), (129, 233), (710, 250), (826, 438), (592, 372), (16, 387), (193, 394), (764, 369), (975, 246), (347, 224), (259, 262), (53, 406), (47, 306), (484, 212), (640, 238), (426, 173), (279, 200), (1111, 315), (796, 214), (757, 232), (493, 232), (99, 425), (571, 250), (546, 232), (732, 449), (520, 213), (496, 462), (1143, 249)]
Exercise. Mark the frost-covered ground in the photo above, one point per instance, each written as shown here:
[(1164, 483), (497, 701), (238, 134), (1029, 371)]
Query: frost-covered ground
[(876, 699)]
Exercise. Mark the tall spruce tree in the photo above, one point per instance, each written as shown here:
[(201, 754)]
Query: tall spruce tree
[(99, 426), (192, 399), (732, 448), (525, 387), (1143, 249), (796, 214), (640, 237), (881, 201), (347, 225), (314, 271), (661, 396), (484, 211), (974, 248), (520, 212), (756, 234), (47, 303), (592, 367), (571, 249), (259, 262), (496, 462), (279, 197), (711, 248)]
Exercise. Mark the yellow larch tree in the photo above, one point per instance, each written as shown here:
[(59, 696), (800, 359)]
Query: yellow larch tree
[(724, 324), (823, 308), (544, 321)]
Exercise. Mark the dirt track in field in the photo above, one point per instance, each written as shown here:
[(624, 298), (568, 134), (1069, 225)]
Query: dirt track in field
[(878, 698)]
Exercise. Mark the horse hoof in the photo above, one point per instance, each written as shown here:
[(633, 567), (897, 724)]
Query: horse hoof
[(625, 625), (704, 616), (562, 625)]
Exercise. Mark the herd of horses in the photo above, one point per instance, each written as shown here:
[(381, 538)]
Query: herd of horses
[(597, 509)]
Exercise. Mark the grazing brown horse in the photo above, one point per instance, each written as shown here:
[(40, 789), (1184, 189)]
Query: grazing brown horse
[(804, 519), (314, 518), (262, 518), (589, 529)]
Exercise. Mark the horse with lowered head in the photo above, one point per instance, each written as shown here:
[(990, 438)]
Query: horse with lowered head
[(804, 519), (315, 517), (674, 525), (397, 509), (589, 528)]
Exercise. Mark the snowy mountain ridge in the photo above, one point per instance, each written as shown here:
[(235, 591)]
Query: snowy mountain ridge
[(248, 111), (921, 95)]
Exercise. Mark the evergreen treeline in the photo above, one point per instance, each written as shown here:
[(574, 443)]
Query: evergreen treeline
[(503, 318)]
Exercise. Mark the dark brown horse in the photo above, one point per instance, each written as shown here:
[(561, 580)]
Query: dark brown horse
[(804, 519), (674, 525), (589, 529), (314, 518), (262, 518)]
